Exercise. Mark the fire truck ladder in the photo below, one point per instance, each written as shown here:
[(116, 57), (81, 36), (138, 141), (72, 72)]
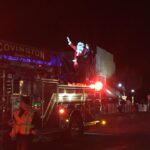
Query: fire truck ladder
[(49, 108)]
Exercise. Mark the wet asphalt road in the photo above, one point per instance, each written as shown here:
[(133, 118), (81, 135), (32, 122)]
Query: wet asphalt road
[(95, 141), (99, 142)]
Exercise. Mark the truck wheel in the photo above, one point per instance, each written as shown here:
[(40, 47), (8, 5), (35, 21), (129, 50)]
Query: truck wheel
[(75, 127)]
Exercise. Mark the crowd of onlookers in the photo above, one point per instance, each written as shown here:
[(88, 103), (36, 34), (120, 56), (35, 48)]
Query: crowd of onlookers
[(122, 106)]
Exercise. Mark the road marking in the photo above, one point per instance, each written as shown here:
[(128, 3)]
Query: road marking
[(96, 133)]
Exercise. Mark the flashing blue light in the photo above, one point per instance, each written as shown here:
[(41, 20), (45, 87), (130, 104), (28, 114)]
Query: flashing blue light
[(54, 61)]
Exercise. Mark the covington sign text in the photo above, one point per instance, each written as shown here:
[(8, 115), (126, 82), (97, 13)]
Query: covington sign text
[(21, 50)]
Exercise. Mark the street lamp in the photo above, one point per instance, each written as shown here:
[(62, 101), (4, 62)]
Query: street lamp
[(132, 91), (120, 85)]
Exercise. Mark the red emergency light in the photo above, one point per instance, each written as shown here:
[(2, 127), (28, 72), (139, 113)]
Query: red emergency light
[(61, 111), (97, 86)]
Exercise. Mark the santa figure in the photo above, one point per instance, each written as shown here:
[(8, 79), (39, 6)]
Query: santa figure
[(80, 49)]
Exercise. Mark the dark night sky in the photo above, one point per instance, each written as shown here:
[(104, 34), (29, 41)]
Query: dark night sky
[(121, 27)]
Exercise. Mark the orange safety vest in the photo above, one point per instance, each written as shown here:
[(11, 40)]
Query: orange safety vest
[(23, 125)]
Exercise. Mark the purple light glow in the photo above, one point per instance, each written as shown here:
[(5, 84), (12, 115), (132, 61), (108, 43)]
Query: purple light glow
[(54, 61)]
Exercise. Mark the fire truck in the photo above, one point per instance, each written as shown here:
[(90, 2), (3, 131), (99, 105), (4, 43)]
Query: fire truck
[(66, 109), (63, 108)]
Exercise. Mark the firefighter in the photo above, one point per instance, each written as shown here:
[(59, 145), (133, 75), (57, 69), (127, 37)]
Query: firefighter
[(24, 124)]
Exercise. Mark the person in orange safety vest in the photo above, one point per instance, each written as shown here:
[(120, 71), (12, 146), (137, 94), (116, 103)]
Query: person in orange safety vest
[(24, 125)]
